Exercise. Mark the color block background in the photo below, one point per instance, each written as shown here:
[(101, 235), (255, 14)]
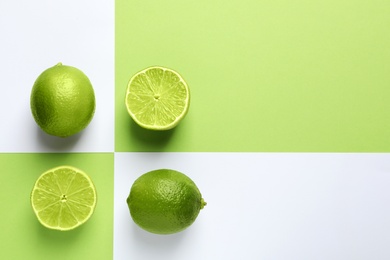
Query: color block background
[(305, 76), (266, 77), (265, 206), (36, 35), (23, 237)]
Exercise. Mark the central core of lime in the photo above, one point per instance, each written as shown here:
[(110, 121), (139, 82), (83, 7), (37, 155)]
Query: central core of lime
[(64, 198)]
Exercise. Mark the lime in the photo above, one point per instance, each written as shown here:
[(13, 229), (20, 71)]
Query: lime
[(164, 201), (157, 98), (63, 198), (62, 100)]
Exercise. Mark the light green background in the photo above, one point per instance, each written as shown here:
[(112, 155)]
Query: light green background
[(23, 237), (264, 75)]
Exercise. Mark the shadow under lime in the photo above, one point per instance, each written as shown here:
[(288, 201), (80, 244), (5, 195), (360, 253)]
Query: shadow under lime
[(150, 140)]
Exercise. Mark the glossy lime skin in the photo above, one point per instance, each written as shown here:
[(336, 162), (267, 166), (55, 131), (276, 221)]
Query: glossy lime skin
[(62, 100), (164, 201)]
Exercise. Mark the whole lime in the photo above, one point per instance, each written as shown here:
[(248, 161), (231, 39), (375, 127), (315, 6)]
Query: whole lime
[(164, 201), (62, 100)]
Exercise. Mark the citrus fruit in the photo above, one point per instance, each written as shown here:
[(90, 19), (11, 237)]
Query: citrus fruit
[(157, 98), (62, 100), (63, 198), (164, 201)]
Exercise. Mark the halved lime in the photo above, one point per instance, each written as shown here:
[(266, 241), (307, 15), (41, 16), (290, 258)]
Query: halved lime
[(157, 98), (63, 198)]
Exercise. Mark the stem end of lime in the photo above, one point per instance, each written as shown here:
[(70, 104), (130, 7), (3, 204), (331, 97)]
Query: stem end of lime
[(202, 203)]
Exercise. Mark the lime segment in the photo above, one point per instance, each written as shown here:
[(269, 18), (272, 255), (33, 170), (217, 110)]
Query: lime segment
[(157, 98), (63, 198)]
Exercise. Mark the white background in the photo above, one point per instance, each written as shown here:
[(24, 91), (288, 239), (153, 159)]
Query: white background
[(266, 206), (36, 35)]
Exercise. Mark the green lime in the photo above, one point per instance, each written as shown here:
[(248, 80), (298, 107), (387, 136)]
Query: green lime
[(157, 98), (62, 100), (164, 201), (63, 198)]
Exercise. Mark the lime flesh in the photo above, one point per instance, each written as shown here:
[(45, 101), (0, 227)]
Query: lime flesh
[(63, 198)]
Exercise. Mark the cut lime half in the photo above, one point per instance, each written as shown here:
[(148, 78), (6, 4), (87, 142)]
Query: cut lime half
[(157, 98), (63, 198)]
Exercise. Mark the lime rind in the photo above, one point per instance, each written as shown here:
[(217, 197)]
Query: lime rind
[(152, 103), (164, 201), (62, 100), (49, 190)]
